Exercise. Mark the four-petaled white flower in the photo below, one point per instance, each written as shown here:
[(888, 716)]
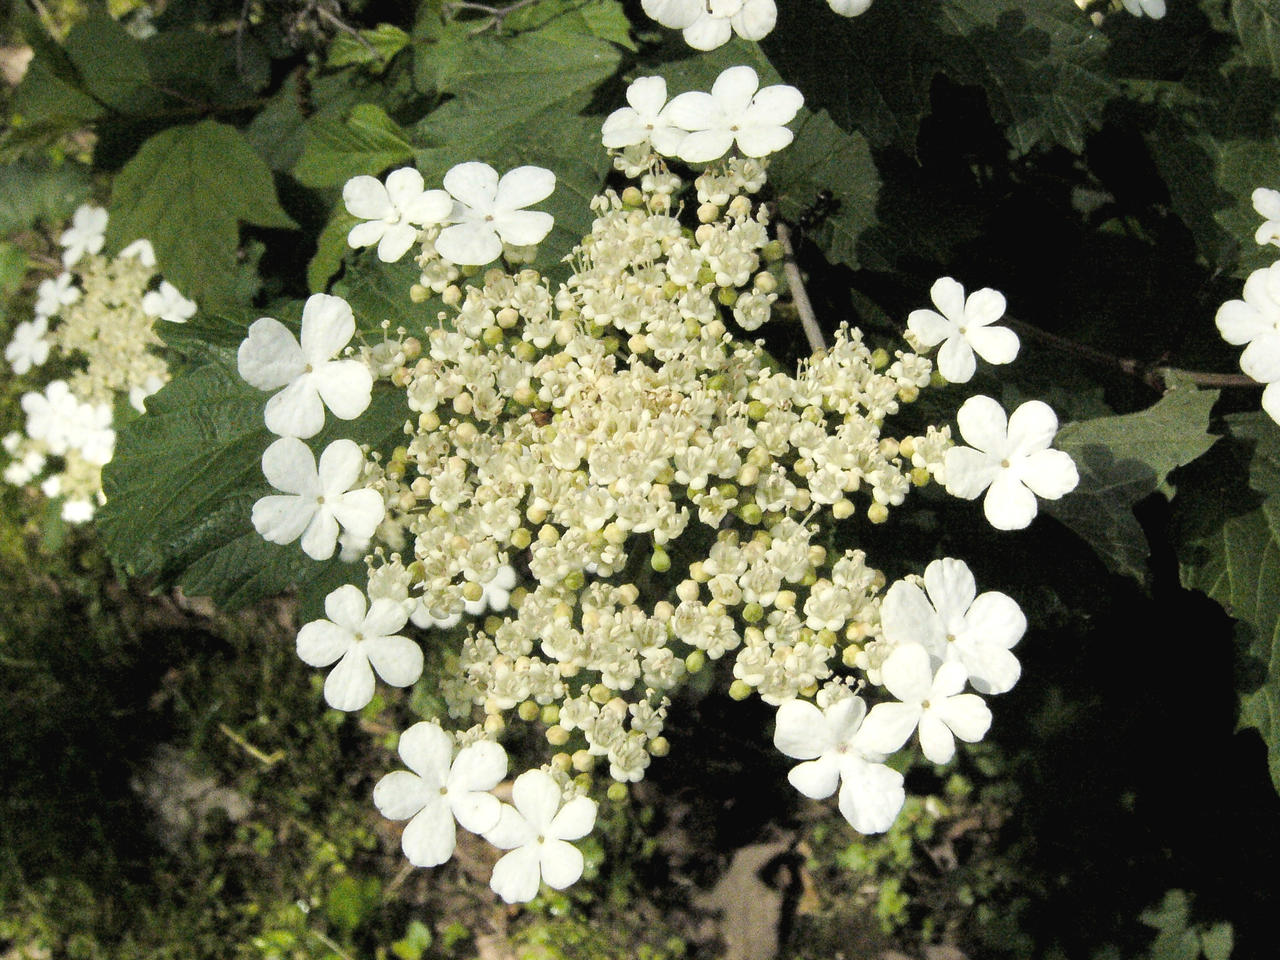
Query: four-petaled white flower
[(270, 357), (168, 304), (1011, 457), (707, 24), (831, 743), (536, 831), (1154, 9), (28, 348), (488, 212), (1255, 321), (933, 702), (55, 293), (393, 212), (964, 328), (1267, 203), (361, 641), (85, 235), (53, 416), (645, 120), (955, 624), (735, 111), (439, 788), (320, 500)]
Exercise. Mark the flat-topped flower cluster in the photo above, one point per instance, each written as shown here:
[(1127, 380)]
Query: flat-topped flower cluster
[(637, 492), (94, 323)]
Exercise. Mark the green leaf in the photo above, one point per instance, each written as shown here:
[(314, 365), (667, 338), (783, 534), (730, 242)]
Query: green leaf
[(379, 291), (13, 267), (1257, 24), (366, 142), (377, 47), (33, 192), (1229, 547), (186, 191), (1124, 459), (112, 67), (331, 247), (51, 101), (1217, 942)]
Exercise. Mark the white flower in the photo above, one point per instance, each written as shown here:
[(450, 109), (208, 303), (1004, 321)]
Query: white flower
[(141, 249), (1255, 321), (85, 235), (28, 348), (488, 212), (53, 416), (77, 511), (440, 789), (963, 328), (830, 741), (644, 121), (393, 212), (536, 831), (1012, 457), (320, 500), (270, 357), (52, 295), (496, 596), (168, 304), (93, 436), (955, 624), (1152, 8), (708, 24), (735, 112), (932, 702), (24, 470), (1267, 203), (361, 642), (849, 8)]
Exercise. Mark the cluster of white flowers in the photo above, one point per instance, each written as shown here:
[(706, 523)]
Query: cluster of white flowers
[(1254, 322), (98, 316), (633, 490), (707, 24)]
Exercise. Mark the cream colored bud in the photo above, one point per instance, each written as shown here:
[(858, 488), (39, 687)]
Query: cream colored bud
[(583, 761), (557, 735), (708, 212)]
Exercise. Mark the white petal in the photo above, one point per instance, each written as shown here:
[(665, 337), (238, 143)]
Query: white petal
[(775, 105), (474, 183), (1049, 474), (360, 512), (1032, 427), (1267, 203), (396, 241), (512, 830), (967, 715), (969, 472), (327, 327), (537, 796), (955, 359), (996, 619), (936, 741), (647, 95), (1240, 322), (479, 766), (384, 618), (947, 295), (951, 587), (428, 209), (990, 668), (366, 234), (523, 228), (994, 344), (871, 796), (366, 198), (397, 660), (816, 779), (887, 727), (341, 464), (1261, 358), (517, 876), (694, 111), (983, 307), (349, 685), (929, 326), (269, 357), (426, 750), (676, 14), (404, 186), (1009, 505), (296, 411), (762, 141), (476, 811), (561, 863), (755, 21), (707, 33), (320, 538), (320, 642), (1271, 401), (471, 244), (801, 730), (844, 717), (734, 88), (622, 128), (523, 187), (906, 616), (345, 606), (345, 386), (401, 794), (430, 837), (288, 465), (703, 146), (983, 424), (282, 519), (907, 673)]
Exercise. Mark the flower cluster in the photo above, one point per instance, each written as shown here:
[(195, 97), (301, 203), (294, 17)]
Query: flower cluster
[(96, 322), (707, 24), (1254, 321), (637, 492)]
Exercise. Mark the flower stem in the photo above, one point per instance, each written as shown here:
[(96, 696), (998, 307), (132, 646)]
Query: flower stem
[(799, 296)]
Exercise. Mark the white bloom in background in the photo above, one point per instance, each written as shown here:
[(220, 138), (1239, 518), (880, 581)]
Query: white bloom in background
[(536, 831), (77, 511), (439, 788), (497, 593), (644, 121), (23, 471), (360, 641), (955, 624), (54, 294), (94, 438), (28, 348), (52, 416), (488, 211), (393, 213), (849, 8), (708, 24), (270, 358), (1267, 203), (735, 111), (1010, 459), (168, 304), (141, 249), (835, 752), (964, 328), (320, 501), (1152, 8), (85, 235), (933, 702), (1255, 321)]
